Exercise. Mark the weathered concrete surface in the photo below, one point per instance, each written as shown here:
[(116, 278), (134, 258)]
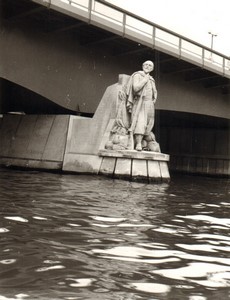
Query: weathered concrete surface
[(204, 151), (85, 136), (33, 141)]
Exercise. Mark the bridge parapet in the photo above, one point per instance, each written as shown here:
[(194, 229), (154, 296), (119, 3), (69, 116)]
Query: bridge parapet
[(121, 22)]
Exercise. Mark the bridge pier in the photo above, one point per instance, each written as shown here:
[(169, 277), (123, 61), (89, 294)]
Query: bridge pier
[(41, 142), (76, 144)]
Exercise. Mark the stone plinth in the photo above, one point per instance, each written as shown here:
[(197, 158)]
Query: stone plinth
[(133, 165)]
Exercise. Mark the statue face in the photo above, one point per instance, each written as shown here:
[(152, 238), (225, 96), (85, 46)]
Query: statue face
[(147, 66)]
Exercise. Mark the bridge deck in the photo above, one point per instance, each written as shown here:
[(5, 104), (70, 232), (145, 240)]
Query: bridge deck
[(135, 28)]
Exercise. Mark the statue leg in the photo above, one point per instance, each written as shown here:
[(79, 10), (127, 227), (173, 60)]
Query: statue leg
[(138, 140)]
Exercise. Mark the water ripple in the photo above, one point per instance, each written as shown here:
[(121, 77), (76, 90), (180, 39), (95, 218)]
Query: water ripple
[(87, 237)]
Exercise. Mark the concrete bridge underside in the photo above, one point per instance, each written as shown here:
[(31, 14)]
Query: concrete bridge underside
[(53, 63)]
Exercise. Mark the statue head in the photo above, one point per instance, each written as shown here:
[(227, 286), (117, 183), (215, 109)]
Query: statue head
[(148, 66)]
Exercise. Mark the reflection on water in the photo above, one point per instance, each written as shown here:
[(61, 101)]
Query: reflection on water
[(83, 237)]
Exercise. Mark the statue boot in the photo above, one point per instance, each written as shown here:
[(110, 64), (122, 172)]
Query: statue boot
[(138, 140)]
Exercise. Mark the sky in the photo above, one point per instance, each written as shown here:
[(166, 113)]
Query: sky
[(193, 19)]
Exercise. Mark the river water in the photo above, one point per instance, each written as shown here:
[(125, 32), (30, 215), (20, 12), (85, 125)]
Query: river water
[(87, 237)]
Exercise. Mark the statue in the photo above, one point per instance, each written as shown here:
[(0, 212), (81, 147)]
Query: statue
[(142, 95), (134, 121)]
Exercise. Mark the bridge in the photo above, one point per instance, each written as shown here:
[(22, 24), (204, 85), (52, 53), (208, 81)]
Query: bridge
[(59, 56), (127, 25)]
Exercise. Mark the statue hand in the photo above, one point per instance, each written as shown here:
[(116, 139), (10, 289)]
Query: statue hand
[(146, 78)]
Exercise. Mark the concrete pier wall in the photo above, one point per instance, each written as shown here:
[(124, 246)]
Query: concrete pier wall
[(203, 151), (46, 142), (33, 141)]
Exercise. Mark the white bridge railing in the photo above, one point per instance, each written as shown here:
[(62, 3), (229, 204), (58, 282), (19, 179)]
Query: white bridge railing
[(126, 24)]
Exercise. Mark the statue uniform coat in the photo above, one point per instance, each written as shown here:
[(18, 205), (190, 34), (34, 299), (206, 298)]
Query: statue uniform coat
[(142, 88)]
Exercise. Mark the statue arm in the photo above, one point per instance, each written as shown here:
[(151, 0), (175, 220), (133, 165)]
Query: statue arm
[(139, 82), (154, 92)]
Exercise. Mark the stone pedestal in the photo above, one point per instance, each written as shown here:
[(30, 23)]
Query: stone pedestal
[(135, 166)]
